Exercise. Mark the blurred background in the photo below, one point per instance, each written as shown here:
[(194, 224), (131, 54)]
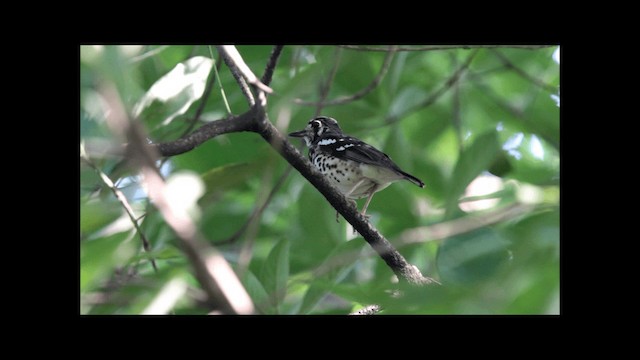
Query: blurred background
[(480, 126)]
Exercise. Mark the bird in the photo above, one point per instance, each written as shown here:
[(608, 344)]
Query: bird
[(354, 167)]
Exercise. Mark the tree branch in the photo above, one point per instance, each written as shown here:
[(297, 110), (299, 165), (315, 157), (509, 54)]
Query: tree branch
[(463, 225), (244, 122), (237, 74), (123, 201), (203, 99), (219, 282), (257, 211), (242, 72), (256, 120), (436, 94), (271, 64), (341, 100), (509, 65), (397, 263)]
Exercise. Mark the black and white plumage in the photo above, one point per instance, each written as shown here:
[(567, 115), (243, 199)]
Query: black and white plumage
[(356, 168)]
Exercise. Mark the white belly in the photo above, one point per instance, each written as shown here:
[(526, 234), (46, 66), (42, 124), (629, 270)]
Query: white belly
[(357, 181)]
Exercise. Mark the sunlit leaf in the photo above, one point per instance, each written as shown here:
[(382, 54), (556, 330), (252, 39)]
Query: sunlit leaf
[(175, 92), (474, 159)]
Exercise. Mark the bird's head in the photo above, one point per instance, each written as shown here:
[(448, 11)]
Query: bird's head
[(317, 128)]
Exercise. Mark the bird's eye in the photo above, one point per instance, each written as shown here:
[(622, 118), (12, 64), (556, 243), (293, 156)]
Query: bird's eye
[(315, 124)]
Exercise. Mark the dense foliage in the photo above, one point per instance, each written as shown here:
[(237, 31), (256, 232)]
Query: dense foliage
[(479, 126)]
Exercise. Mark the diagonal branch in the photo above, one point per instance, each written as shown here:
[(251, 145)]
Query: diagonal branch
[(509, 65), (462, 225), (257, 212), (125, 204), (235, 61), (243, 73), (203, 99), (326, 86), (341, 100), (218, 280), (256, 120), (271, 64), (399, 265), (438, 93), (236, 74)]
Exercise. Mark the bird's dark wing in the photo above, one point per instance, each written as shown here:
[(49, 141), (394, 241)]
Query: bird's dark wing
[(350, 148), (354, 149)]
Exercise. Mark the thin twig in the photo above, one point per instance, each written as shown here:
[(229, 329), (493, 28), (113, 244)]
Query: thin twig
[(237, 74), (487, 91), (456, 118), (203, 100), (148, 54), (123, 201), (243, 73), (514, 111), (257, 211), (234, 56), (433, 232), (216, 69), (442, 47), (507, 63), (326, 86), (271, 64), (436, 94), (341, 100), (462, 225)]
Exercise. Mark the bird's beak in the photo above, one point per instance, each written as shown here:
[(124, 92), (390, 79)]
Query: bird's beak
[(300, 133)]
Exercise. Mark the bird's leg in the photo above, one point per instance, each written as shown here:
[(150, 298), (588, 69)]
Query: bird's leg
[(366, 204), (347, 196)]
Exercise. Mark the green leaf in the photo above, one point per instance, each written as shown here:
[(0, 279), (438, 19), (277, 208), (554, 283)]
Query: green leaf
[(167, 252), (95, 215), (257, 292), (99, 257), (317, 229), (534, 161), (408, 98), (275, 272), (338, 264), (173, 94), (473, 160), (228, 176), (472, 257)]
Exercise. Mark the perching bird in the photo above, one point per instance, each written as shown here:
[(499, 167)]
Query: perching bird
[(356, 168)]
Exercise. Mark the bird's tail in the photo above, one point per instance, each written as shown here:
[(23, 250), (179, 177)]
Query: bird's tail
[(412, 178)]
